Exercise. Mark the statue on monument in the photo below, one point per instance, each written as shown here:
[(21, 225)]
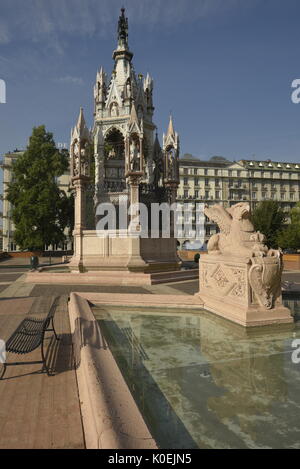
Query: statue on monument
[(85, 160), (111, 154), (114, 110), (171, 165), (134, 156), (76, 159), (128, 89), (157, 172)]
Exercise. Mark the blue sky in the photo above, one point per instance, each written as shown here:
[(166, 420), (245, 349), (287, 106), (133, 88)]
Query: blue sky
[(223, 67)]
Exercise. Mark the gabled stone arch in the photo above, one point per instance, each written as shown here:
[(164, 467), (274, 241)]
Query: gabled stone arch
[(114, 144), (108, 129)]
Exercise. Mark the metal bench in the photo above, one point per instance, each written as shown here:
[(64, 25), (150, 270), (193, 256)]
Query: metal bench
[(28, 336)]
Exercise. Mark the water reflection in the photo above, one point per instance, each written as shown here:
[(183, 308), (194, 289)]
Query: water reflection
[(201, 381)]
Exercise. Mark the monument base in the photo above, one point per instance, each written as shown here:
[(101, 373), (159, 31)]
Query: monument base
[(120, 251), (243, 290), (48, 275)]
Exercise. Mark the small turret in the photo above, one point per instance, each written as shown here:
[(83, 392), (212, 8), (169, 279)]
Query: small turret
[(79, 148), (171, 154), (100, 88)]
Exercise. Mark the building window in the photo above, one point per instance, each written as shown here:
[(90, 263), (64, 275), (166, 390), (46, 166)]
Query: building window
[(185, 181), (206, 182), (186, 194), (282, 195), (254, 195), (217, 182), (205, 172), (185, 171), (197, 194), (206, 194), (217, 194), (195, 171), (196, 182), (216, 172)]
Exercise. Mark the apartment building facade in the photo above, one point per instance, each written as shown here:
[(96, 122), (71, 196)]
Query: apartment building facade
[(225, 182), (217, 180)]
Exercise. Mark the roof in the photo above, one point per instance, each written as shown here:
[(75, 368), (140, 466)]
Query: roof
[(270, 165), (215, 161)]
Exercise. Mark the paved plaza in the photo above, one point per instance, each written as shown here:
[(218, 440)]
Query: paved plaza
[(38, 411)]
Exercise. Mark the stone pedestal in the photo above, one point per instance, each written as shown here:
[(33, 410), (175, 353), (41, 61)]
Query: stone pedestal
[(246, 291), (122, 251)]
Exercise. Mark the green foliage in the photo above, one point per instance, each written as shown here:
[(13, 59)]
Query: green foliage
[(197, 258), (289, 238), (41, 211), (295, 215), (269, 219)]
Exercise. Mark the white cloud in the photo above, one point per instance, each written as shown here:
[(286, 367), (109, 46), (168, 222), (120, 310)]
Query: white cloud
[(4, 34), (35, 19), (69, 79)]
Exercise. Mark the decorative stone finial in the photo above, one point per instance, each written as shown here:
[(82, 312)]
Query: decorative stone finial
[(123, 30)]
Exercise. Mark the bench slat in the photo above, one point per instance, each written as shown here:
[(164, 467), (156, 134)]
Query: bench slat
[(27, 337), (29, 334)]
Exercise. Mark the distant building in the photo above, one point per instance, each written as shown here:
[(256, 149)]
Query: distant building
[(8, 226), (225, 182), (217, 180)]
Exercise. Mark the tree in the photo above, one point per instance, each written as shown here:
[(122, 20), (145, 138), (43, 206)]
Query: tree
[(289, 238), (295, 215), (269, 219), (40, 210)]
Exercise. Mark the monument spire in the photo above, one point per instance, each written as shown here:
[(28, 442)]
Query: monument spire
[(123, 30), (122, 50), (170, 131), (171, 138), (81, 131)]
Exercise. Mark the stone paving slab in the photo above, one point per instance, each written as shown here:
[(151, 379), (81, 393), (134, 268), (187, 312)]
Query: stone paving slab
[(25, 261), (40, 290), (3, 287), (10, 276), (38, 411)]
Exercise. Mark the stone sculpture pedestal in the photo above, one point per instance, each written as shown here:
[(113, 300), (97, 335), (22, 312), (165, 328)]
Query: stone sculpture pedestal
[(236, 289)]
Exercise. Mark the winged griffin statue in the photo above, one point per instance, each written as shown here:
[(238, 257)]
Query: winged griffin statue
[(238, 238)]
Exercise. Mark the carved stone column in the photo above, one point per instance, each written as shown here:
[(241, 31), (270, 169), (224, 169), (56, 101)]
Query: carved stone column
[(80, 177), (79, 184), (135, 263)]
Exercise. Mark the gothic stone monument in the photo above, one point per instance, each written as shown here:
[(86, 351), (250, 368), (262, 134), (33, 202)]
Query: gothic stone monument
[(240, 278), (120, 161)]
